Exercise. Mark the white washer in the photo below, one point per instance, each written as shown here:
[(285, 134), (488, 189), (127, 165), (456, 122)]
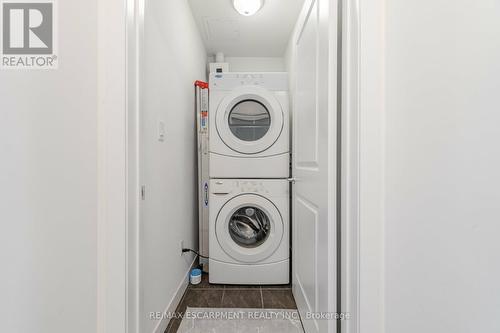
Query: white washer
[(249, 231), (249, 125)]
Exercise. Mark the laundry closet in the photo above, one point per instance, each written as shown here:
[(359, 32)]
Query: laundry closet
[(237, 135)]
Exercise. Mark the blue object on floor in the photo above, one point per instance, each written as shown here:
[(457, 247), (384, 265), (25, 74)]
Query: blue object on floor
[(195, 276)]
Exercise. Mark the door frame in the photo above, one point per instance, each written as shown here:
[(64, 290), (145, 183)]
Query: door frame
[(135, 42), (120, 29), (363, 166), (362, 172)]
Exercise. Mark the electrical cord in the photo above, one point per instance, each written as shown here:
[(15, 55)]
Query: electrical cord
[(195, 252)]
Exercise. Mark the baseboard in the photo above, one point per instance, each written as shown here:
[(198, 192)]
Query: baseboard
[(303, 306), (162, 325)]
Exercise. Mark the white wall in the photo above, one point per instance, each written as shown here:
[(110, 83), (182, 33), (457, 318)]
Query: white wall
[(254, 64), (173, 58), (443, 157), (440, 78), (48, 175)]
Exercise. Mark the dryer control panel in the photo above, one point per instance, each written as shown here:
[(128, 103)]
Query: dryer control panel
[(229, 81)]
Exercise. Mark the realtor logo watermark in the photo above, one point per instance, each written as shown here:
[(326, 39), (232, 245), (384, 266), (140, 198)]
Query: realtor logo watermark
[(29, 36)]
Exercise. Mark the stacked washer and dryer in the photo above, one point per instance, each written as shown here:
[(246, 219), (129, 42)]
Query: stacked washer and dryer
[(249, 166)]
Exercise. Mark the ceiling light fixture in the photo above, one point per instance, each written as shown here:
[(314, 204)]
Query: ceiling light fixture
[(248, 7)]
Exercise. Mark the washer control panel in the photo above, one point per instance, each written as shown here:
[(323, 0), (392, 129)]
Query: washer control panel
[(263, 187), (254, 186)]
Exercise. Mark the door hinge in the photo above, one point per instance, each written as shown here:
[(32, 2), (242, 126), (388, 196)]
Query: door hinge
[(292, 180), (143, 192)]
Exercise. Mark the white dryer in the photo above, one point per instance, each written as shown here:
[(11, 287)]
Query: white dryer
[(249, 125), (249, 231)]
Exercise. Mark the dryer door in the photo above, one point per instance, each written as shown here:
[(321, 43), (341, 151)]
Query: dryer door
[(249, 120), (249, 228)]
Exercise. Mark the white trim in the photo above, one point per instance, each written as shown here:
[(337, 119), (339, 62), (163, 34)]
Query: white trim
[(112, 168), (333, 142), (174, 302), (372, 166), (364, 166), (350, 166), (135, 25)]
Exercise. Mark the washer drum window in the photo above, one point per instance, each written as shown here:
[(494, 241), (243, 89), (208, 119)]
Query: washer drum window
[(249, 227)]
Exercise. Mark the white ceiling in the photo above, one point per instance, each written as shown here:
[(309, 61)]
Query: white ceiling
[(264, 34)]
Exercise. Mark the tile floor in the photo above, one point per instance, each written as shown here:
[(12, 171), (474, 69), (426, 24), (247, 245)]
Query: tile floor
[(205, 295)]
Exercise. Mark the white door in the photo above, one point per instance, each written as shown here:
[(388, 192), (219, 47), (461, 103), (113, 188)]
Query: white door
[(314, 164)]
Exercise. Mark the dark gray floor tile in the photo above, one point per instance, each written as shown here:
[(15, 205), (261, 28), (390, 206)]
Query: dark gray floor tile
[(278, 299), (242, 298), (201, 298)]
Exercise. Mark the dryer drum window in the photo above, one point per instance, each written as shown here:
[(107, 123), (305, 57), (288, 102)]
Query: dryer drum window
[(249, 120), (249, 227)]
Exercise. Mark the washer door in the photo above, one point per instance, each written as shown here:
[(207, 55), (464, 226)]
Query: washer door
[(249, 228), (249, 120)]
